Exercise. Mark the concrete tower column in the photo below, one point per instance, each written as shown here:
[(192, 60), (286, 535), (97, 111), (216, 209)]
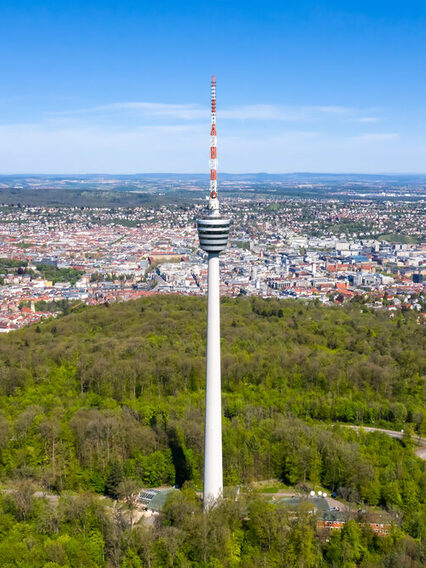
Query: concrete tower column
[(213, 233), (213, 481)]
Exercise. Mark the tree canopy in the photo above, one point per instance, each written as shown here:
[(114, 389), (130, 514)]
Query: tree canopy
[(112, 397)]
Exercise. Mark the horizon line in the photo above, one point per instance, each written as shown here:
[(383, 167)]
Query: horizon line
[(207, 174)]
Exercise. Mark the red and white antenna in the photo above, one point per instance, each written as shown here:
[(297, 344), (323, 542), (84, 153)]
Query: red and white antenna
[(213, 200)]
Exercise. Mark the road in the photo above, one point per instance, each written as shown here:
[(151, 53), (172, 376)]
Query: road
[(420, 442), (159, 282)]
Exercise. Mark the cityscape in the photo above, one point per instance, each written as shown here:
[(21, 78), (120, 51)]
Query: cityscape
[(329, 250)]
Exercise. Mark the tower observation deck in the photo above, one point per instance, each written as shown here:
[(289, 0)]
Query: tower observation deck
[(213, 233)]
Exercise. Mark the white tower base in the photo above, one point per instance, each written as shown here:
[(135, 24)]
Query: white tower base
[(213, 481)]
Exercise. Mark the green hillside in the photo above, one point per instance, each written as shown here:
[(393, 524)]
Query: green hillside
[(115, 393)]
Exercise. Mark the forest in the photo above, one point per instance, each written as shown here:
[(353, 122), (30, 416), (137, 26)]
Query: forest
[(110, 398)]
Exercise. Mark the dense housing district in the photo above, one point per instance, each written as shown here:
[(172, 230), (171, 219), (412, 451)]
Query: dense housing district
[(54, 259)]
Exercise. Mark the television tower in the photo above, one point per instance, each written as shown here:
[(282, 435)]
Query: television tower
[(213, 233)]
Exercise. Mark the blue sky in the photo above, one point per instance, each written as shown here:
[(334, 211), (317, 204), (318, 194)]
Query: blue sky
[(123, 87)]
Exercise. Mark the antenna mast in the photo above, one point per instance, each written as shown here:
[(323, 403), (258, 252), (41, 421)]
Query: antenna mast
[(213, 200)]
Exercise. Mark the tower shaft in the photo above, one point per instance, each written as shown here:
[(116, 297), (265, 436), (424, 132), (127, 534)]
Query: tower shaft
[(213, 482)]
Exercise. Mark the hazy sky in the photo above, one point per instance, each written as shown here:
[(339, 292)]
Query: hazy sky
[(123, 86)]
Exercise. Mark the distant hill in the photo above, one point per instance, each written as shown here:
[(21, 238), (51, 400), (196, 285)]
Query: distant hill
[(139, 189), (302, 177)]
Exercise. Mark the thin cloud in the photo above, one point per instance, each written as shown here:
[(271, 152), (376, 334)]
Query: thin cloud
[(366, 119), (281, 112), (376, 137), (183, 148), (190, 112), (340, 110)]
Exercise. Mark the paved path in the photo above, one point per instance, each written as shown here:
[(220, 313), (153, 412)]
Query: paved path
[(421, 452), (420, 442)]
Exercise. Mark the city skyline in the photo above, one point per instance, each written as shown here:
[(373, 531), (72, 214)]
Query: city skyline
[(102, 87)]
